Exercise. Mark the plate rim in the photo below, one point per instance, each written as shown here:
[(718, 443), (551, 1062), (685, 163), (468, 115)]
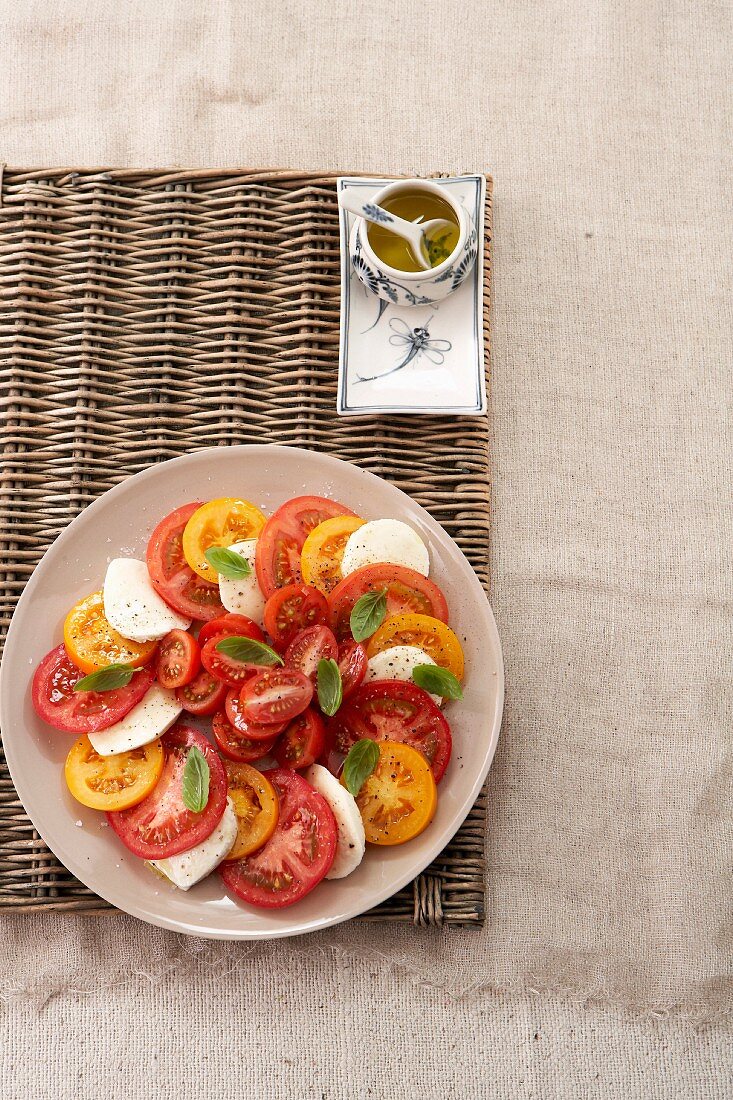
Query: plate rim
[(318, 923)]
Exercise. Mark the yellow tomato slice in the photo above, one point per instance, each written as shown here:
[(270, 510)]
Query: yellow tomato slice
[(219, 523), (429, 634), (256, 806), (92, 643), (398, 800), (320, 558), (112, 782)]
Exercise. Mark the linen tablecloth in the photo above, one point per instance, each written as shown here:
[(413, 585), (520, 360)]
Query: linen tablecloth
[(607, 130)]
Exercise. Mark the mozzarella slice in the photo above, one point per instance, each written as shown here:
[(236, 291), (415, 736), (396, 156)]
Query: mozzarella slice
[(385, 540), (243, 596), (351, 841), (150, 718), (133, 607), (188, 868), (397, 663)]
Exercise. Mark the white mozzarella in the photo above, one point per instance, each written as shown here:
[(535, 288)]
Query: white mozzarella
[(397, 663), (351, 841), (385, 540), (188, 868), (133, 607), (243, 596), (150, 718)]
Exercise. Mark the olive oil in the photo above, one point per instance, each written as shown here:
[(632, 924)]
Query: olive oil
[(415, 206)]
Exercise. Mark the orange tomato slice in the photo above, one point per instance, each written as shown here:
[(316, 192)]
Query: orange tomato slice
[(219, 523), (320, 558), (429, 634), (398, 800), (256, 806), (92, 643), (112, 782)]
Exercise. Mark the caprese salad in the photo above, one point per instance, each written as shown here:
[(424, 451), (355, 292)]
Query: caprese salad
[(261, 696)]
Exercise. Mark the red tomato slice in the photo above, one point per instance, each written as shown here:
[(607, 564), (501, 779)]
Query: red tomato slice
[(230, 624), (56, 702), (276, 695), (297, 856), (204, 695), (231, 672), (407, 592), (277, 560), (172, 576), (291, 610), (235, 745), (303, 741), (308, 648), (179, 659), (251, 730), (162, 825), (353, 663), (391, 710)]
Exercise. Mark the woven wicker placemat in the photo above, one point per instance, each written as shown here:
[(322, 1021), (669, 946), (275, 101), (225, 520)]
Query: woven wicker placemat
[(144, 314)]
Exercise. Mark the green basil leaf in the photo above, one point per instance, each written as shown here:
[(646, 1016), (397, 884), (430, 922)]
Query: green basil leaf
[(196, 776), (359, 764), (248, 651), (437, 680), (106, 679), (228, 563), (330, 688), (368, 614)]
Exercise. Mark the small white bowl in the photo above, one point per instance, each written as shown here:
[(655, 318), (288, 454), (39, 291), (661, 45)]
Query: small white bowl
[(414, 288)]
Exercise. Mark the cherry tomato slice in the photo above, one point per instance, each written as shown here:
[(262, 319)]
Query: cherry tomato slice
[(252, 730), (275, 695), (303, 741), (236, 745), (308, 647), (112, 782), (297, 856), (229, 625), (162, 825), (172, 576), (407, 592), (353, 662), (56, 702), (391, 710), (255, 804), (179, 659), (281, 540), (204, 695), (398, 800), (291, 610), (93, 644), (231, 672)]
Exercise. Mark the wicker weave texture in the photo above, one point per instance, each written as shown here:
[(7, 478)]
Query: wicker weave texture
[(144, 314)]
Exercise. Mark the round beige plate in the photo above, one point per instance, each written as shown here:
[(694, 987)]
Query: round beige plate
[(119, 523)]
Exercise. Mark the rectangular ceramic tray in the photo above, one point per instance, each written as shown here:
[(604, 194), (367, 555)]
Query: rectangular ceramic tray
[(144, 314)]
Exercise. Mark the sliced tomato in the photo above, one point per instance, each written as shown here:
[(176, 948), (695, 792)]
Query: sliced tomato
[(398, 800), (303, 741), (252, 730), (93, 644), (236, 745), (352, 661), (424, 632), (231, 672), (275, 695), (323, 550), (291, 610), (178, 660), (204, 695), (297, 856), (172, 576), (407, 592), (56, 702), (310, 646), (162, 825), (281, 540), (391, 710), (112, 782), (255, 804), (219, 523), (226, 626)]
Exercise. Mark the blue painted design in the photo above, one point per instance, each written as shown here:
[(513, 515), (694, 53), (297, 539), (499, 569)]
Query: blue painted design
[(413, 343), (376, 213)]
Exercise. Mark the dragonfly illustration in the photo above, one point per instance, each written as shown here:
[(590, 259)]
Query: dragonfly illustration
[(413, 342)]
